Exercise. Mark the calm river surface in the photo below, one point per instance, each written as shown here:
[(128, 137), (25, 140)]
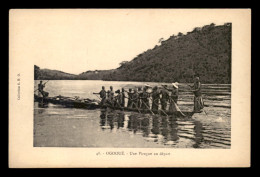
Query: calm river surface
[(57, 126)]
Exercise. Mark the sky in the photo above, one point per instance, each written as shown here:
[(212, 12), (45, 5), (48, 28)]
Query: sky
[(75, 41)]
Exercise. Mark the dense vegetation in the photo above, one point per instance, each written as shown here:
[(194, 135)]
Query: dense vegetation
[(204, 51), (95, 75), (47, 74)]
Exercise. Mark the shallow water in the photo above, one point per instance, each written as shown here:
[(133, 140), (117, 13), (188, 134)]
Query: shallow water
[(57, 126)]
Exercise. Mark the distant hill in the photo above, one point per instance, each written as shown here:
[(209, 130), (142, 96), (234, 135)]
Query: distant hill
[(95, 75), (47, 74), (205, 51)]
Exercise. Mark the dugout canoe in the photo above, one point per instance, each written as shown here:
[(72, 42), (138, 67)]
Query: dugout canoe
[(95, 104)]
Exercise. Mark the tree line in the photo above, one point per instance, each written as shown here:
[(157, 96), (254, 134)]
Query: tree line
[(205, 51)]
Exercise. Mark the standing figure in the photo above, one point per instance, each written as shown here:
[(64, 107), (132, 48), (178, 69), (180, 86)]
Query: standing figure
[(155, 98), (130, 97), (145, 99), (175, 92), (165, 97), (108, 100), (118, 99), (40, 88), (102, 95), (174, 97), (123, 97), (111, 95), (41, 92), (140, 95), (198, 101), (135, 99)]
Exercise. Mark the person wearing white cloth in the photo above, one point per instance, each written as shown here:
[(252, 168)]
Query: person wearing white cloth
[(174, 97)]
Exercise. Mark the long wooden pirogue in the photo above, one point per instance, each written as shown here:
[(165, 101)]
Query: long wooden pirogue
[(95, 104)]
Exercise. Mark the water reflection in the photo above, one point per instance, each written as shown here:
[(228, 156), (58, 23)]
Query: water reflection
[(40, 107), (198, 134), (120, 120), (103, 118), (173, 131), (208, 132), (104, 123), (111, 120), (160, 129)]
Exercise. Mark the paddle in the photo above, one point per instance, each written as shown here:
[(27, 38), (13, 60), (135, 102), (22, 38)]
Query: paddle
[(146, 104), (177, 107), (159, 108), (137, 107), (205, 112), (109, 105), (42, 84), (97, 96), (105, 104), (46, 82), (119, 106), (100, 99), (134, 104), (147, 107)]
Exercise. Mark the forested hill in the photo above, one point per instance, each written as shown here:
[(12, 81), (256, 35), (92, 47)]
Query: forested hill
[(205, 51), (48, 74)]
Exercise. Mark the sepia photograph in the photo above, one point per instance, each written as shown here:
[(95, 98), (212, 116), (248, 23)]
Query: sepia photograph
[(123, 79), (175, 95)]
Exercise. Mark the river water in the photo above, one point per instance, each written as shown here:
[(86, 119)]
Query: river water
[(58, 126)]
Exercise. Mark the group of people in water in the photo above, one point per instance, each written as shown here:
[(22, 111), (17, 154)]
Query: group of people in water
[(139, 98)]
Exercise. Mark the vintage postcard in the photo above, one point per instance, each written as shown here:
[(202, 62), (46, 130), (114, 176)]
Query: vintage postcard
[(129, 88)]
